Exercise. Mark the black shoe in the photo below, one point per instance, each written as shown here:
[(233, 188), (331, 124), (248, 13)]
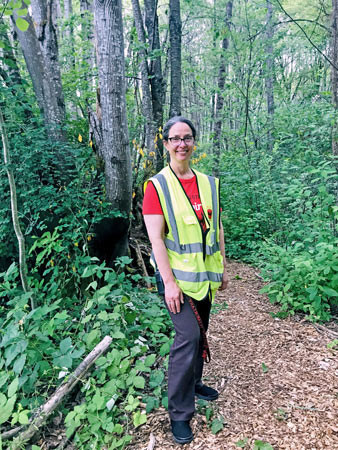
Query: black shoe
[(181, 431), (206, 393)]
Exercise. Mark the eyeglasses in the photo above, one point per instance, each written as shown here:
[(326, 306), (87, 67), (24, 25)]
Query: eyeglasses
[(177, 140)]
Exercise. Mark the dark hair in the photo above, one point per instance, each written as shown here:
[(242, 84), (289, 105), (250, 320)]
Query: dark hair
[(177, 119)]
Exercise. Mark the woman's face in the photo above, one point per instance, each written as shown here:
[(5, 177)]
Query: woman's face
[(180, 151)]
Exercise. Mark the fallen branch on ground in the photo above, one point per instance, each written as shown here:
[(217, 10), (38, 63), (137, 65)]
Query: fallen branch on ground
[(47, 408)]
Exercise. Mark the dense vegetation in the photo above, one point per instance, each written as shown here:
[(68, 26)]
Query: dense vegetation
[(278, 192)]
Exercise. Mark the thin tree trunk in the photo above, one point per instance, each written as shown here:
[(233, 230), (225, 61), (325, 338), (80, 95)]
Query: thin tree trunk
[(220, 98), (156, 77), (175, 31), (115, 140), (269, 79), (14, 209), (334, 75), (146, 94)]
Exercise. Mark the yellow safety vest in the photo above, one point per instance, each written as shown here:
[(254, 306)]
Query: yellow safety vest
[(194, 256)]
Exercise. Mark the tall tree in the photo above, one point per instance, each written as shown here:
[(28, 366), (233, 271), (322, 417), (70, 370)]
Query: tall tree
[(334, 74), (115, 140), (155, 72), (147, 105), (269, 79), (220, 90), (175, 31)]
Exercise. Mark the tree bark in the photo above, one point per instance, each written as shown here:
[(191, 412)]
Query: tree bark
[(175, 31), (269, 79), (115, 140), (220, 92), (156, 77), (49, 99), (146, 94), (334, 74), (45, 28)]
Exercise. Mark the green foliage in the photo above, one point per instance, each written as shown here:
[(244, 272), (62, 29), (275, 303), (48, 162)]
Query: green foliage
[(39, 348), (215, 420)]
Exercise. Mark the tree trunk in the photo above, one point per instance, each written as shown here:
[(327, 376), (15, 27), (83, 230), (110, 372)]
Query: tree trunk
[(334, 75), (269, 79), (156, 77), (46, 34), (68, 8), (14, 210), (220, 98), (115, 140), (10, 72), (86, 10), (48, 96), (175, 30), (146, 94)]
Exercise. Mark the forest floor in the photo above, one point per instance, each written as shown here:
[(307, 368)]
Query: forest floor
[(277, 379)]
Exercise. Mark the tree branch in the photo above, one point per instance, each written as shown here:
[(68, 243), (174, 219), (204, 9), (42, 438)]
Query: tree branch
[(306, 35)]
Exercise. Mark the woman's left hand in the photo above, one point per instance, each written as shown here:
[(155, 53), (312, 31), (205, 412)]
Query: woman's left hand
[(225, 281)]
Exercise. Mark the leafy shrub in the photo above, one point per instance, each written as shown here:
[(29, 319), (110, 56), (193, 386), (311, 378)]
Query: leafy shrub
[(40, 347)]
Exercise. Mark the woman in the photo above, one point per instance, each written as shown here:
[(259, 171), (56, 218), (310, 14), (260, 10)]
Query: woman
[(182, 215)]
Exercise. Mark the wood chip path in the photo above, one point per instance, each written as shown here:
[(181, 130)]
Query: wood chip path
[(278, 382)]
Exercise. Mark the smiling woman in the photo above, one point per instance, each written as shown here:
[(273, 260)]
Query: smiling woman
[(182, 215)]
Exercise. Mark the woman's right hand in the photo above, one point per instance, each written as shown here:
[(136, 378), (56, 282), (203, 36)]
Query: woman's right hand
[(173, 297)]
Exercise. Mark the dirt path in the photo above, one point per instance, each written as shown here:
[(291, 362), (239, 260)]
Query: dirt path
[(278, 382)]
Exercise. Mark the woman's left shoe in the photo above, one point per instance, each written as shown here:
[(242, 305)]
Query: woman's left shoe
[(206, 393)]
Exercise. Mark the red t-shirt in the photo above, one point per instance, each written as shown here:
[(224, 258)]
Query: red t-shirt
[(152, 205)]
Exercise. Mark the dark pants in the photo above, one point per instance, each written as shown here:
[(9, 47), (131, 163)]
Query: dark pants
[(185, 359)]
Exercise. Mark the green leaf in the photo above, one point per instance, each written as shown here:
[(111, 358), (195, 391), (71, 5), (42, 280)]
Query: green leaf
[(91, 337), (63, 361), (23, 418), (260, 445), (13, 387), (150, 359), (3, 378), (265, 368), (139, 382), (217, 425), (118, 335), (65, 345), (139, 419), (3, 399), (165, 348), (329, 291), (22, 12), (242, 443), (6, 411), (19, 364)]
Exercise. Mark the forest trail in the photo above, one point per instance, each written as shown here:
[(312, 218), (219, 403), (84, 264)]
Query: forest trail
[(290, 402)]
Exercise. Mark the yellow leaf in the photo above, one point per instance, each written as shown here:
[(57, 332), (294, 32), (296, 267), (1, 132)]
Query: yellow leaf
[(80, 138), (161, 136), (144, 165), (141, 152), (89, 238), (152, 154), (90, 143), (76, 244), (52, 263), (134, 194), (74, 269)]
